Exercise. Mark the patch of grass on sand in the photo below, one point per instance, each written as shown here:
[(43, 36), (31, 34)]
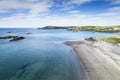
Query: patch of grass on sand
[(111, 39)]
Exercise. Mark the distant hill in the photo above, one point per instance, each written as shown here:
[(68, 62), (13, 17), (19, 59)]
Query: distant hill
[(86, 28), (55, 27)]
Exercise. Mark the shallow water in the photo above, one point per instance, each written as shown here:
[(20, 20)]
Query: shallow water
[(42, 55)]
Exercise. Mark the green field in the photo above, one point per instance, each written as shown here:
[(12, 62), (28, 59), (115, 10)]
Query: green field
[(111, 39), (96, 28)]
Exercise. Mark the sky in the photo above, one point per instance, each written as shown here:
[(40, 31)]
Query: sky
[(40, 13)]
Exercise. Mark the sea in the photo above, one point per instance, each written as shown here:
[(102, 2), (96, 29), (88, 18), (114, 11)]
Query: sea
[(42, 55)]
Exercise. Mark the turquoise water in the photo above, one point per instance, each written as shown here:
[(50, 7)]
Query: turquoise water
[(42, 55)]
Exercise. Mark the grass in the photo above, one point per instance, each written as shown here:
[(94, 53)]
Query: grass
[(111, 39), (96, 28), (110, 29)]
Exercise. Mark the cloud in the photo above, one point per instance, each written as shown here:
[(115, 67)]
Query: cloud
[(37, 6), (40, 8), (80, 1), (117, 8), (113, 11), (35, 13), (33, 6), (74, 12), (69, 4), (71, 20), (116, 1), (13, 4)]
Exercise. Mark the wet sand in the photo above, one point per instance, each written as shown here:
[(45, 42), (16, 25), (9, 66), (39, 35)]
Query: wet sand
[(101, 59)]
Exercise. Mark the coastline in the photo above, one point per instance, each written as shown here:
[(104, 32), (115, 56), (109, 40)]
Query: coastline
[(118, 34), (101, 59)]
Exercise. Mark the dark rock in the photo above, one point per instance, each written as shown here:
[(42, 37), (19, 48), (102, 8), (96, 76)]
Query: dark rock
[(7, 37), (13, 38), (24, 66), (9, 32), (20, 75), (90, 39), (38, 28), (17, 38), (29, 33)]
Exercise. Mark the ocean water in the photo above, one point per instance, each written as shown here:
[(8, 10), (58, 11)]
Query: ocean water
[(42, 55)]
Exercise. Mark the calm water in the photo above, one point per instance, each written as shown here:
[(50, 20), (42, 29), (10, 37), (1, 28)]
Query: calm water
[(42, 55)]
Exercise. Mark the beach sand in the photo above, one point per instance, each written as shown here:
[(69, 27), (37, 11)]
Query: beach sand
[(101, 59)]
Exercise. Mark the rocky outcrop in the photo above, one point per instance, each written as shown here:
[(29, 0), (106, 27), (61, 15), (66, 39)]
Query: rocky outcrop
[(90, 39), (13, 38), (17, 38), (28, 33), (9, 32)]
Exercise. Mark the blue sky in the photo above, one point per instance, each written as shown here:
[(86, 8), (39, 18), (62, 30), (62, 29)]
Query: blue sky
[(39, 13)]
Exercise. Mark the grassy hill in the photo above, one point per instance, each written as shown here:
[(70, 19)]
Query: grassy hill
[(96, 28), (87, 28), (54, 27)]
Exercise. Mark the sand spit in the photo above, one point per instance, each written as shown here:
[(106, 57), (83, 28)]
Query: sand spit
[(101, 59)]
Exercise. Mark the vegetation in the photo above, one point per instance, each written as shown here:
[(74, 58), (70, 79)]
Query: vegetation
[(54, 27), (111, 39), (87, 28), (96, 28)]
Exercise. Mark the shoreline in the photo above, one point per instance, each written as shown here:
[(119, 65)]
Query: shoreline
[(100, 59)]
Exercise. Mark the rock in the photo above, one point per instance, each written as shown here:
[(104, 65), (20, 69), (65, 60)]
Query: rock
[(13, 38), (90, 39), (17, 38), (38, 28), (9, 32), (29, 33), (7, 37)]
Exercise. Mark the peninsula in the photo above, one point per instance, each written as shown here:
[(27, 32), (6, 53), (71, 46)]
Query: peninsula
[(111, 29)]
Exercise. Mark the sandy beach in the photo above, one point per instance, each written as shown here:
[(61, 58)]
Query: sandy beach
[(101, 59), (118, 34)]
